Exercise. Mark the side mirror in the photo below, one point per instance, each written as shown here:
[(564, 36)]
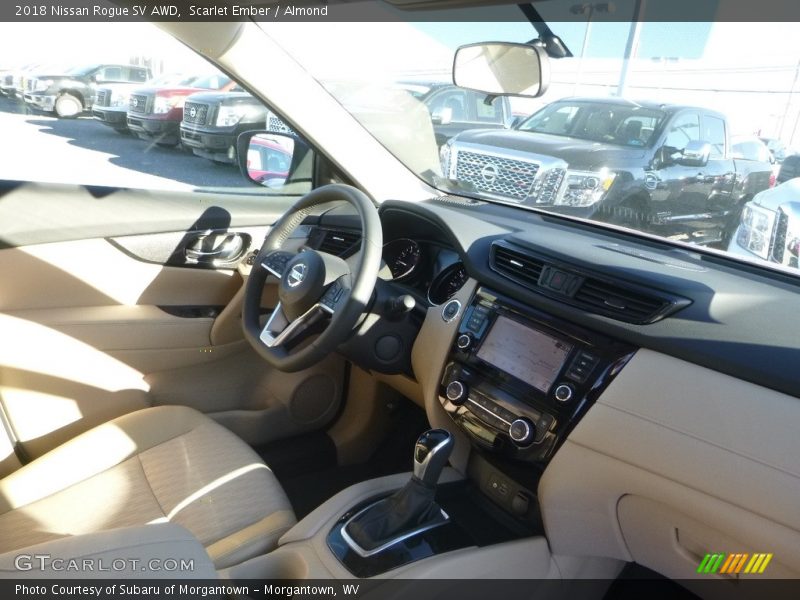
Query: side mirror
[(695, 154), (515, 121), (267, 158), (443, 116), (502, 69)]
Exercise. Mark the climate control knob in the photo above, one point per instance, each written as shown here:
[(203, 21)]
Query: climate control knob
[(522, 431), (456, 392), (564, 393)]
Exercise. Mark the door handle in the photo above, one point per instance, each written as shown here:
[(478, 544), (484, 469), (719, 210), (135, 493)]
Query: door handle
[(229, 249)]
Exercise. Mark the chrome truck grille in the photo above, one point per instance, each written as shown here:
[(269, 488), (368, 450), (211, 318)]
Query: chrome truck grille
[(496, 175)]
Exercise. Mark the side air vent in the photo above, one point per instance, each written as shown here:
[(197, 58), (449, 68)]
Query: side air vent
[(620, 300), (622, 303), (523, 268), (338, 243)]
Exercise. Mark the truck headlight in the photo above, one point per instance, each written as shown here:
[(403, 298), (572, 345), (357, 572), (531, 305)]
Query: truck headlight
[(755, 230), (119, 99), (41, 85), (230, 115), (164, 104), (584, 188)]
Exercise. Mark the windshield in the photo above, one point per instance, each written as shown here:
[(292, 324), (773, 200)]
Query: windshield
[(598, 122), (636, 135), (210, 82), (83, 70)]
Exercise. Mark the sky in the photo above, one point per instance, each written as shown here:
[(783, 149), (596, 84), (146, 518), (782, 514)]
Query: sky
[(711, 60)]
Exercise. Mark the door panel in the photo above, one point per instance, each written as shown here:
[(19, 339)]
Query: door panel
[(98, 325)]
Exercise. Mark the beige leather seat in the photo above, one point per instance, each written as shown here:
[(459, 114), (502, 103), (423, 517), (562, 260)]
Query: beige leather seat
[(167, 463)]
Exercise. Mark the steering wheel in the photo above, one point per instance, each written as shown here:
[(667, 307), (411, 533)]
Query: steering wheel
[(316, 289)]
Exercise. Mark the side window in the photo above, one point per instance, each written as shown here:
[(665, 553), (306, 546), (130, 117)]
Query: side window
[(714, 134), (454, 101), (137, 76), (685, 129), (486, 113), (177, 153)]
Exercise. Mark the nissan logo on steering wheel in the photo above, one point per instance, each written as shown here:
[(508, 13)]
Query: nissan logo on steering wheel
[(296, 275)]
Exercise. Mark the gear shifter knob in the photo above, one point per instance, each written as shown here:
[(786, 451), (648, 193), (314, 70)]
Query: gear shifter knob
[(431, 454)]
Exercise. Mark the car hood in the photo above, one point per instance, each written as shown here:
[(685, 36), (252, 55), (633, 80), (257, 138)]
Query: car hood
[(772, 198), (53, 76), (172, 90), (577, 153), (212, 97)]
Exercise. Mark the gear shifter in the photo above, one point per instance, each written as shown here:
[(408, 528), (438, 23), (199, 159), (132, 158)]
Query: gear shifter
[(410, 509), (431, 453)]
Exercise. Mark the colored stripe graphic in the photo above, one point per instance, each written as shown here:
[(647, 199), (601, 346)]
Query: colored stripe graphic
[(734, 564), (764, 564), (704, 563), (726, 565)]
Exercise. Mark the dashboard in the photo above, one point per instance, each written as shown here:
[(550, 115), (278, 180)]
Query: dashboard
[(577, 358), (556, 298)]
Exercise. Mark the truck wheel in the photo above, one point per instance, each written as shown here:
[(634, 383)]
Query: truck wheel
[(68, 106)]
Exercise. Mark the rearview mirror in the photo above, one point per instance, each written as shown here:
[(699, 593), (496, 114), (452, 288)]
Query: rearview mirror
[(695, 154), (502, 69), (266, 158)]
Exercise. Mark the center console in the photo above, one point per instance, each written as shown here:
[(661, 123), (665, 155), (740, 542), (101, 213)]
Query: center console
[(517, 380)]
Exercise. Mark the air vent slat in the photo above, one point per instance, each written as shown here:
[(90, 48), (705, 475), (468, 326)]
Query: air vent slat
[(338, 243), (623, 301), (517, 265)]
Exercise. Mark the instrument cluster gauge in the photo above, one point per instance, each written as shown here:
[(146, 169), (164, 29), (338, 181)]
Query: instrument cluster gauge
[(400, 258), (447, 283)]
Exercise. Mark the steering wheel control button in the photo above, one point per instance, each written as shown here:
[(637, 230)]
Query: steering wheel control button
[(464, 341), (522, 432), (456, 392), (450, 310), (564, 393), (332, 295), (276, 263)]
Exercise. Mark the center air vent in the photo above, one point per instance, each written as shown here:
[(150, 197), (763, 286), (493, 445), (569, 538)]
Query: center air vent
[(620, 300), (521, 267), (336, 242)]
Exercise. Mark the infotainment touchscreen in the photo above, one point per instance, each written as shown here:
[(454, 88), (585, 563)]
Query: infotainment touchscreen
[(525, 353)]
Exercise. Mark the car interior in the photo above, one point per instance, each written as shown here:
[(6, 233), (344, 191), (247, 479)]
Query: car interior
[(374, 379)]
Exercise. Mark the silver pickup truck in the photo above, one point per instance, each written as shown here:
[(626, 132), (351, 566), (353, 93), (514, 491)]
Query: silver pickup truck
[(769, 227)]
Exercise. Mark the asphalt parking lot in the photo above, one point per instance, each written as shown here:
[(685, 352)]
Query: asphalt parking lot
[(40, 147)]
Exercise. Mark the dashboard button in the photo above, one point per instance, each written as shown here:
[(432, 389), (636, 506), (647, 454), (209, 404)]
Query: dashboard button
[(450, 310), (564, 392), (456, 392), (464, 341), (522, 431)]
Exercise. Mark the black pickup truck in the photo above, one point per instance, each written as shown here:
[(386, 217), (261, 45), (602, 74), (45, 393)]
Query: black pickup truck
[(70, 93), (212, 121), (662, 168)]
